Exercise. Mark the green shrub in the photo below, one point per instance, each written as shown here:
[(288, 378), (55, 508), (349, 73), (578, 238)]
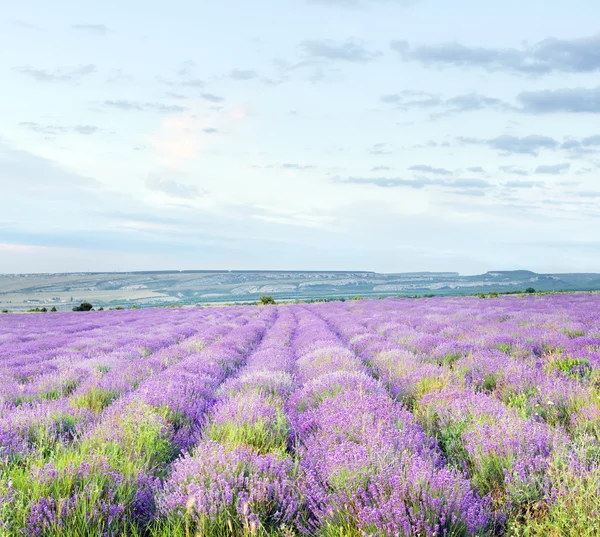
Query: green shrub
[(53, 309), (530, 290), (266, 300), (84, 306)]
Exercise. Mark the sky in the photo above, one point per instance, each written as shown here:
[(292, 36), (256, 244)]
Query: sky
[(383, 135)]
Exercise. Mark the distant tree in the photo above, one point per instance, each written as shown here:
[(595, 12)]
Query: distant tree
[(530, 290), (266, 300), (43, 310), (135, 307), (119, 308), (494, 294), (84, 306), (481, 295), (53, 309), (100, 308), (4, 311)]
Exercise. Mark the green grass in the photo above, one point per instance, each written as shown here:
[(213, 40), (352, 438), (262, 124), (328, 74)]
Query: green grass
[(573, 333), (226, 523), (572, 367), (264, 436), (574, 512), (490, 383), (52, 394), (449, 359), (103, 369), (174, 417), (95, 399), (100, 469), (504, 347), (319, 397)]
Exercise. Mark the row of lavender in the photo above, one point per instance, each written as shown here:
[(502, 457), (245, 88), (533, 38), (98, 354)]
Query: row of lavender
[(54, 392), (396, 417), (304, 440), (507, 388), (103, 474)]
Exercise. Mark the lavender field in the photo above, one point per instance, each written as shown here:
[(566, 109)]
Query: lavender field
[(395, 417)]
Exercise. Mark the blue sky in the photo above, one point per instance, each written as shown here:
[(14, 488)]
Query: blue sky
[(300, 134)]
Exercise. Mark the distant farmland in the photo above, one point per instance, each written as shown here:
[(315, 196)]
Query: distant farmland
[(21, 292)]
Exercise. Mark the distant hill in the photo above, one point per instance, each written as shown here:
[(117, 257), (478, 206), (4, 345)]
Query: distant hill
[(511, 273), (23, 291)]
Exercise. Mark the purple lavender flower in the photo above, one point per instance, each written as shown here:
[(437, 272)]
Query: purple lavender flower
[(217, 487)]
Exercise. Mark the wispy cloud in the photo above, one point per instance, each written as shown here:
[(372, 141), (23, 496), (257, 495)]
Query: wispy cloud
[(126, 105), (508, 144), (387, 182), (56, 75), (175, 95), (381, 169), (95, 29), (513, 170), (292, 166), (523, 184), (418, 183), (468, 102), (585, 146), (243, 74), (571, 101), (350, 50), (467, 183), (553, 169), (159, 183), (54, 130), (586, 193), (193, 82), (25, 24), (212, 98), (547, 56), (30, 173), (430, 169), (381, 148)]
